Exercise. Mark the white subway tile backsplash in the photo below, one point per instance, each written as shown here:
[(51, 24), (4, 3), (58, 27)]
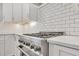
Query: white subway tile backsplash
[(60, 17)]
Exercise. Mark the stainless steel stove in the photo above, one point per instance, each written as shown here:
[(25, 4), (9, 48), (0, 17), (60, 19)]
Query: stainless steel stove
[(36, 44)]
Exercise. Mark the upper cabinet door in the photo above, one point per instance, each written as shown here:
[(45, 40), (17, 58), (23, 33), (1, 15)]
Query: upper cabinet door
[(1, 19), (33, 14), (7, 12), (25, 11), (17, 12)]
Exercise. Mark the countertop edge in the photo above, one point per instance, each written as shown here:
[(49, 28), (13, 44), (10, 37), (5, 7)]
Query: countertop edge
[(66, 44)]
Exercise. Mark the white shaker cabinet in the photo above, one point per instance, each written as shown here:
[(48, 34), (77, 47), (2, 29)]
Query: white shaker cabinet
[(64, 46), (7, 12), (1, 45), (1, 18), (25, 10), (12, 12), (33, 14), (17, 12), (56, 50), (10, 45)]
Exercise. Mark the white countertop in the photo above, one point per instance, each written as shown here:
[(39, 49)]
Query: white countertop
[(69, 41)]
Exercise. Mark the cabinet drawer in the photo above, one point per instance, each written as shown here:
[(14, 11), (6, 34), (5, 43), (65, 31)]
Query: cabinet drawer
[(56, 50)]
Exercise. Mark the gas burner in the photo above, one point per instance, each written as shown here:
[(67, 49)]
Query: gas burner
[(46, 34)]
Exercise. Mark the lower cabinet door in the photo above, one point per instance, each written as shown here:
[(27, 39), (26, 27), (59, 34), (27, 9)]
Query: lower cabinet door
[(57, 50), (1, 45), (10, 45)]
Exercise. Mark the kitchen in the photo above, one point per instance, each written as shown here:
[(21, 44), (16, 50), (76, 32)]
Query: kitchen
[(39, 29)]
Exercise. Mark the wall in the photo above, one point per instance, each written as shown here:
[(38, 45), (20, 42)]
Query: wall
[(11, 29), (19, 28), (60, 17), (51, 17), (32, 29)]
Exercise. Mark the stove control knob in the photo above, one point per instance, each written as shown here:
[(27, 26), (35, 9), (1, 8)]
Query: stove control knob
[(20, 46), (20, 41), (37, 48), (32, 46), (23, 42), (27, 43)]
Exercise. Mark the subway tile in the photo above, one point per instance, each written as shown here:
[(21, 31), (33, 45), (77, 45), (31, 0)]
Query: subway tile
[(60, 17)]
